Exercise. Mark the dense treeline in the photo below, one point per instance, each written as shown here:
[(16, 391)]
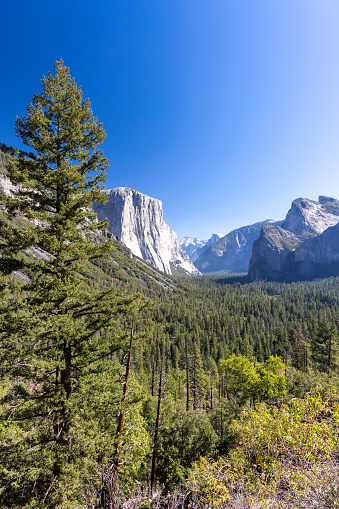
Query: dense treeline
[(257, 320), (209, 322)]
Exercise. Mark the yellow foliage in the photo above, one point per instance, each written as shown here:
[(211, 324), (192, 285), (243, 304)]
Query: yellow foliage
[(211, 482), (283, 457)]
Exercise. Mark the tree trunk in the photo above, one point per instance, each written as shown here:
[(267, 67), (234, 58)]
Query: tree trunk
[(152, 380), (195, 383), (187, 382), (329, 359), (156, 432), (120, 425)]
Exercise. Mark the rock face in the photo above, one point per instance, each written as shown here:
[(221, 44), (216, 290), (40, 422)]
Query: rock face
[(308, 216), (318, 256), (6, 186), (232, 252), (271, 254), (194, 247), (137, 220), (305, 246)]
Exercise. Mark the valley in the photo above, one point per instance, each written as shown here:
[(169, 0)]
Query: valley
[(131, 378)]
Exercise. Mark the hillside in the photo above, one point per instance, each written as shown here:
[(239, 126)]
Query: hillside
[(123, 270)]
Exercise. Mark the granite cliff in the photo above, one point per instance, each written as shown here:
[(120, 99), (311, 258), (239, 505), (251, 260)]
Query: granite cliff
[(308, 216), (305, 246), (271, 254), (137, 220), (318, 256), (122, 267)]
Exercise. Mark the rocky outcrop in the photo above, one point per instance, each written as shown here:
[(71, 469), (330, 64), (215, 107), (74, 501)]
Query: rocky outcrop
[(306, 245), (137, 220), (308, 216), (6, 186), (194, 247), (232, 252)]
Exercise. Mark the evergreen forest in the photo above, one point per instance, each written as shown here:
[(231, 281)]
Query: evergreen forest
[(123, 387)]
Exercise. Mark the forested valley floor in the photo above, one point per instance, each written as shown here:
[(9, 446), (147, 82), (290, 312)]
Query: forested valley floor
[(237, 381), (123, 387)]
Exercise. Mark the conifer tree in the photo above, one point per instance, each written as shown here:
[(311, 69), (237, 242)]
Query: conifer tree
[(325, 345), (53, 331)]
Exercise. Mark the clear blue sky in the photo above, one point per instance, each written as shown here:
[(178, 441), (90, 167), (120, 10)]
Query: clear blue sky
[(225, 110)]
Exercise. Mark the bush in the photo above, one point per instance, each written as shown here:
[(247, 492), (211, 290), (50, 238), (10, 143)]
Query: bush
[(284, 457)]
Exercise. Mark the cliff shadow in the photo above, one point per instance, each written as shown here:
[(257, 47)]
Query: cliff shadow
[(232, 279)]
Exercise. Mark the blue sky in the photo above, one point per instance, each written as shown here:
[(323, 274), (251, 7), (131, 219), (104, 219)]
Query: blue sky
[(225, 110)]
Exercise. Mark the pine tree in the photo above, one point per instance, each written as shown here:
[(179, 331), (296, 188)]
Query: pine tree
[(54, 333), (325, 345), (301, 349)]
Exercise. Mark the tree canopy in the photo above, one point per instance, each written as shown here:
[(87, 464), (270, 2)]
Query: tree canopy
[(55, 333)]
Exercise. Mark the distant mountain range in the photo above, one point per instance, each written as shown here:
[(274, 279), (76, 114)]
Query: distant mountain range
[(194, 247), (304, 245), (231, 253)]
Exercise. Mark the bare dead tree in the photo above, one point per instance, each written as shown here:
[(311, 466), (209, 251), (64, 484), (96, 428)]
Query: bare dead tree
[(112, 474), (152, 380), (156, 432), (187, 381), (195, 381)]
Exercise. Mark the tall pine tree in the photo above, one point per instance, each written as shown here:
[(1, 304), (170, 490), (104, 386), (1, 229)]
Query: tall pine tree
[(53, 331), (325, 345)]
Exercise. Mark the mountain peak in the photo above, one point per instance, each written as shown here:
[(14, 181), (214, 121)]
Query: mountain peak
[(308, 216), (193, 247)]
